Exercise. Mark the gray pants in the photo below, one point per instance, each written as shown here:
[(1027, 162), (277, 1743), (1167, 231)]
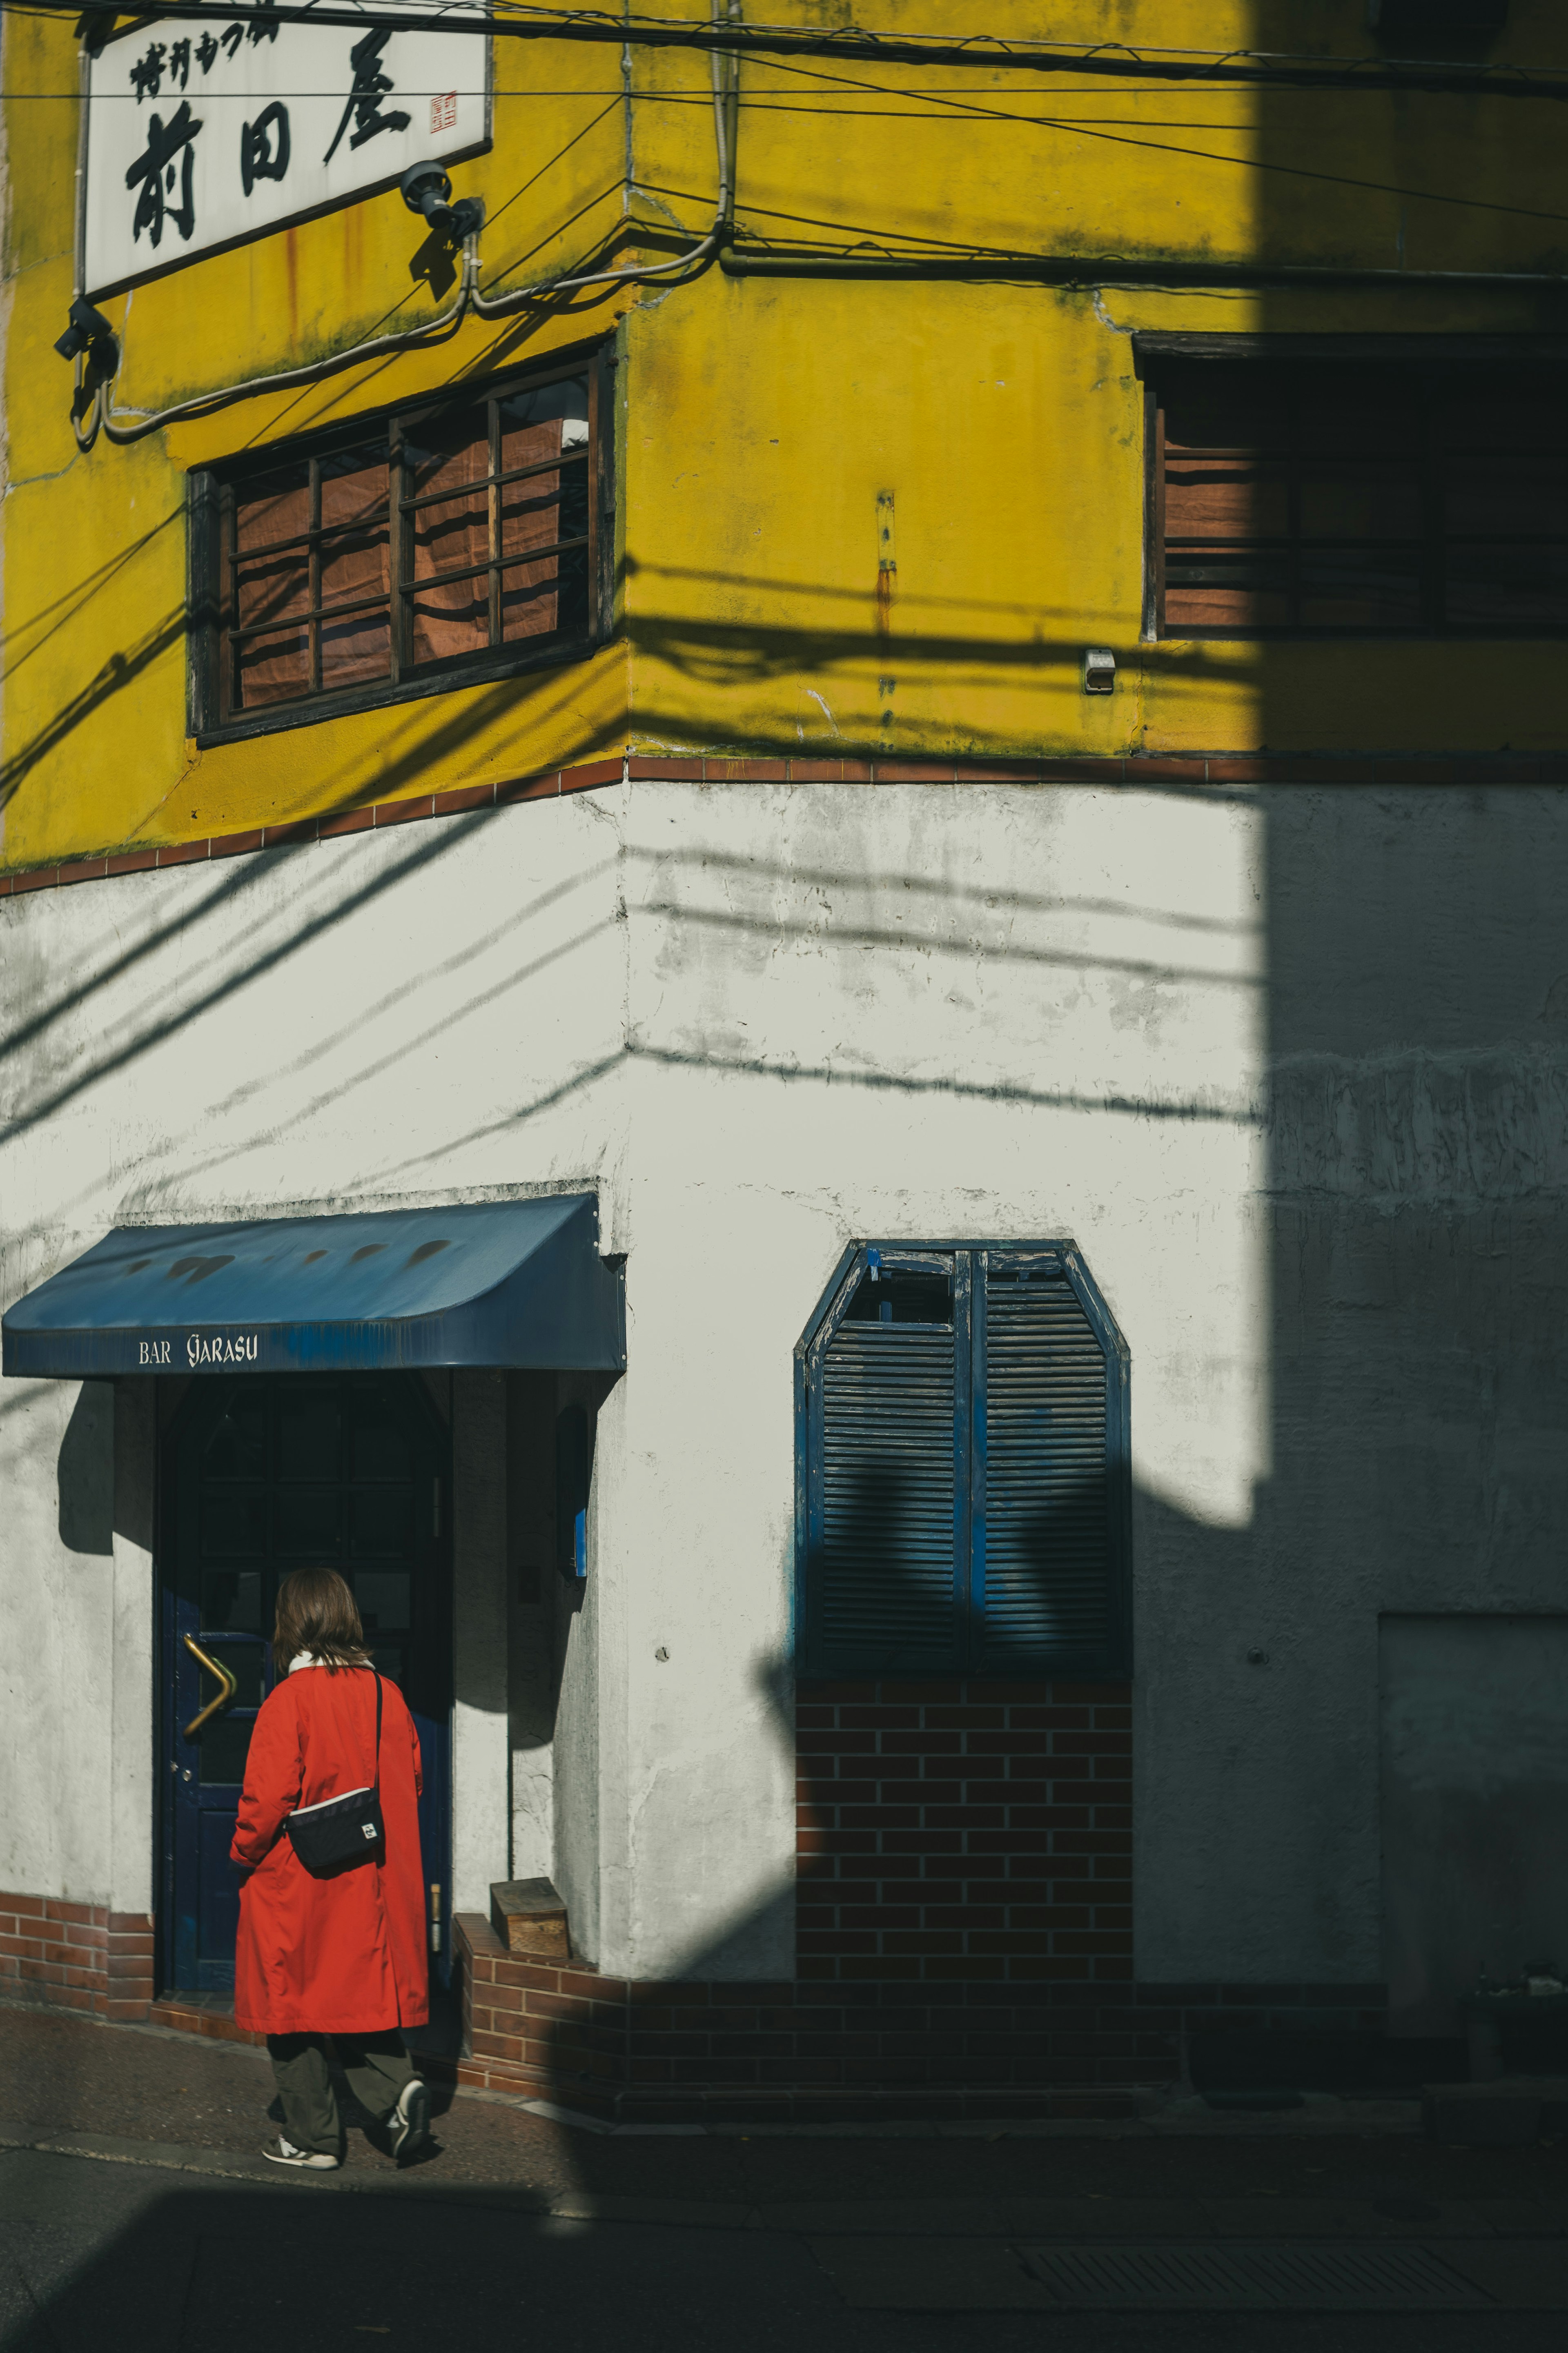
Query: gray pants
[(378, 2067)]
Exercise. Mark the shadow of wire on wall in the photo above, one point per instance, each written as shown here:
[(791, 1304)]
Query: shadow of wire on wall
[(1418, 1028), (1412, 1221)]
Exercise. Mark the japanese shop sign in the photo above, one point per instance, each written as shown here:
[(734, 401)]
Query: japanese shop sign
[(201, 135)]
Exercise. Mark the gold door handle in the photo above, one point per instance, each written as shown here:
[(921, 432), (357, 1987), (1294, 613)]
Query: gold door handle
[(230, 1683)]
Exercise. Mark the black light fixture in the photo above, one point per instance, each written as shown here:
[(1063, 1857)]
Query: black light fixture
[(90, 332), (428, 190)]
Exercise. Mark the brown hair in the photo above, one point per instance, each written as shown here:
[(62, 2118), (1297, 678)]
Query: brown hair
[(316, 1613)]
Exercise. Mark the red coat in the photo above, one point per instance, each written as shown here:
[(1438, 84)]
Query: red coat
[(343, 1954)]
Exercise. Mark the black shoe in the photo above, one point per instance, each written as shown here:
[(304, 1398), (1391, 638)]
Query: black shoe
[(409, 2123)]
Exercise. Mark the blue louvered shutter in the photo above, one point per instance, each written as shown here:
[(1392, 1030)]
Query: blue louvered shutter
[(1048, 1464), (888, 1508)]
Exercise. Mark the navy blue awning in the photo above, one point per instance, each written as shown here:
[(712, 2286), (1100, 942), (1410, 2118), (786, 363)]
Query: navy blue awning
[(503, 1283)]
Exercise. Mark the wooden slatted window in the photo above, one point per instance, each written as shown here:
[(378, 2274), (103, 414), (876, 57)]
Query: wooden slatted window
[(1346, 500), (1049, 1535), (891, 1469), (964, 1478), (448, 542)]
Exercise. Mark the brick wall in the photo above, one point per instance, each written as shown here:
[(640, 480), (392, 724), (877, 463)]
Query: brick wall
[(964, 1944), (664, 2051), (76, 1955), (975, 1832), (539, 2022), (964, 1935)]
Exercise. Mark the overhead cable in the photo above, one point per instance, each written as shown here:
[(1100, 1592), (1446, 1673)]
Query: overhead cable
[(97, 409), (499, 306), (1114, 61)]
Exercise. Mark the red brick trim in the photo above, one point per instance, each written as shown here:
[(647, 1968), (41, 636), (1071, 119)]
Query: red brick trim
[(805, 2049), (857, 2050), (195, 2017), (1192, 769), (372, 819), (76, 1955), (660, 2050)]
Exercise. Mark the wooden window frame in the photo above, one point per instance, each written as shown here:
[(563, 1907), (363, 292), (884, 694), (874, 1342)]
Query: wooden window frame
[(970, 1261), (1425, 358), (212, 717)]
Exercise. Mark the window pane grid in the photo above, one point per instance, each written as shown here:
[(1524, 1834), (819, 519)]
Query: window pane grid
[(314, 560), (492, 616), (494, 564), (305, 538), (509, 474), (1357, 503), (339, 569), (314, 613)]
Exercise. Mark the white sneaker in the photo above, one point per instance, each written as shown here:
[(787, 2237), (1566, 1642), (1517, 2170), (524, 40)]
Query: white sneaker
[(410, 2122), (312, 2160)]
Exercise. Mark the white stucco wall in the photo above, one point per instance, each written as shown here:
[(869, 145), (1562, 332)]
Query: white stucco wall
[(225, 1041), (762, 1021), (535, 1593), (57, 1658), (482, 1748)]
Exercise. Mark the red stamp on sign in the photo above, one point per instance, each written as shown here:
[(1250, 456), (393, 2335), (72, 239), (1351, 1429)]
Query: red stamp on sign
[(443, 112)]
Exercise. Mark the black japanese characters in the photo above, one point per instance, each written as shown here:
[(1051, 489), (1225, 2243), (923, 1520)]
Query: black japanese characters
[(370, 86), (169, 149), (264, 147)]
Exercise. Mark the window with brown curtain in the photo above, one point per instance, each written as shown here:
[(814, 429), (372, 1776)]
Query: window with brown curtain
[(1303, 500), (440, 543)]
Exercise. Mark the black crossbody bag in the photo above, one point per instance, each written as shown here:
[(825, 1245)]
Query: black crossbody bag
[(342, 1829)]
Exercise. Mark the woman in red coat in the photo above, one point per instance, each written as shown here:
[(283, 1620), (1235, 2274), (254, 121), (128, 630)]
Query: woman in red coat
[(342, 1952)]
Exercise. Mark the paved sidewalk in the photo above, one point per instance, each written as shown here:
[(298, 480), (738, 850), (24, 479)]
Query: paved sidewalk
[(62, 2073), (134, 2202)]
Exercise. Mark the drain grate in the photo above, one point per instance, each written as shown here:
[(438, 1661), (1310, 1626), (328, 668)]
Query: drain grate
[(1305, 2276)]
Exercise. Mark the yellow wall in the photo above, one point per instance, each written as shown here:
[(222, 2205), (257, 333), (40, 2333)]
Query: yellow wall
[(763, 419)]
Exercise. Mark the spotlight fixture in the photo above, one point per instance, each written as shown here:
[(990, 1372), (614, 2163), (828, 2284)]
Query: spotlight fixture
[(90, 332), (428, 190)]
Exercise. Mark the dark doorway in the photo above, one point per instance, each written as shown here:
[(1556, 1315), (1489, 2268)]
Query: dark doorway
[(262, 1476)]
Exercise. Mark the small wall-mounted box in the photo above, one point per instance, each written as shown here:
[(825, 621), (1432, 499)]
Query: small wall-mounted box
[(1100, 670)]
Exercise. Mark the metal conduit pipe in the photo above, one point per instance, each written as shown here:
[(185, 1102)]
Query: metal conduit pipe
[(501, 305), (1077, 269), (435, 331)]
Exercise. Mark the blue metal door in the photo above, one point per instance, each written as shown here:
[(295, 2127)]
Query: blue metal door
[(264, 1476)]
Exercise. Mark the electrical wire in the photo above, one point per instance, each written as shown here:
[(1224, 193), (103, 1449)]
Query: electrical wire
[(966, 109), (992, 52), (97, 409), (434, 331), (937, 257), (501, 305)]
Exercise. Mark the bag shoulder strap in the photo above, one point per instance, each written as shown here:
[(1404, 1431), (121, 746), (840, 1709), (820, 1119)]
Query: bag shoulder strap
[(376, 1776)]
